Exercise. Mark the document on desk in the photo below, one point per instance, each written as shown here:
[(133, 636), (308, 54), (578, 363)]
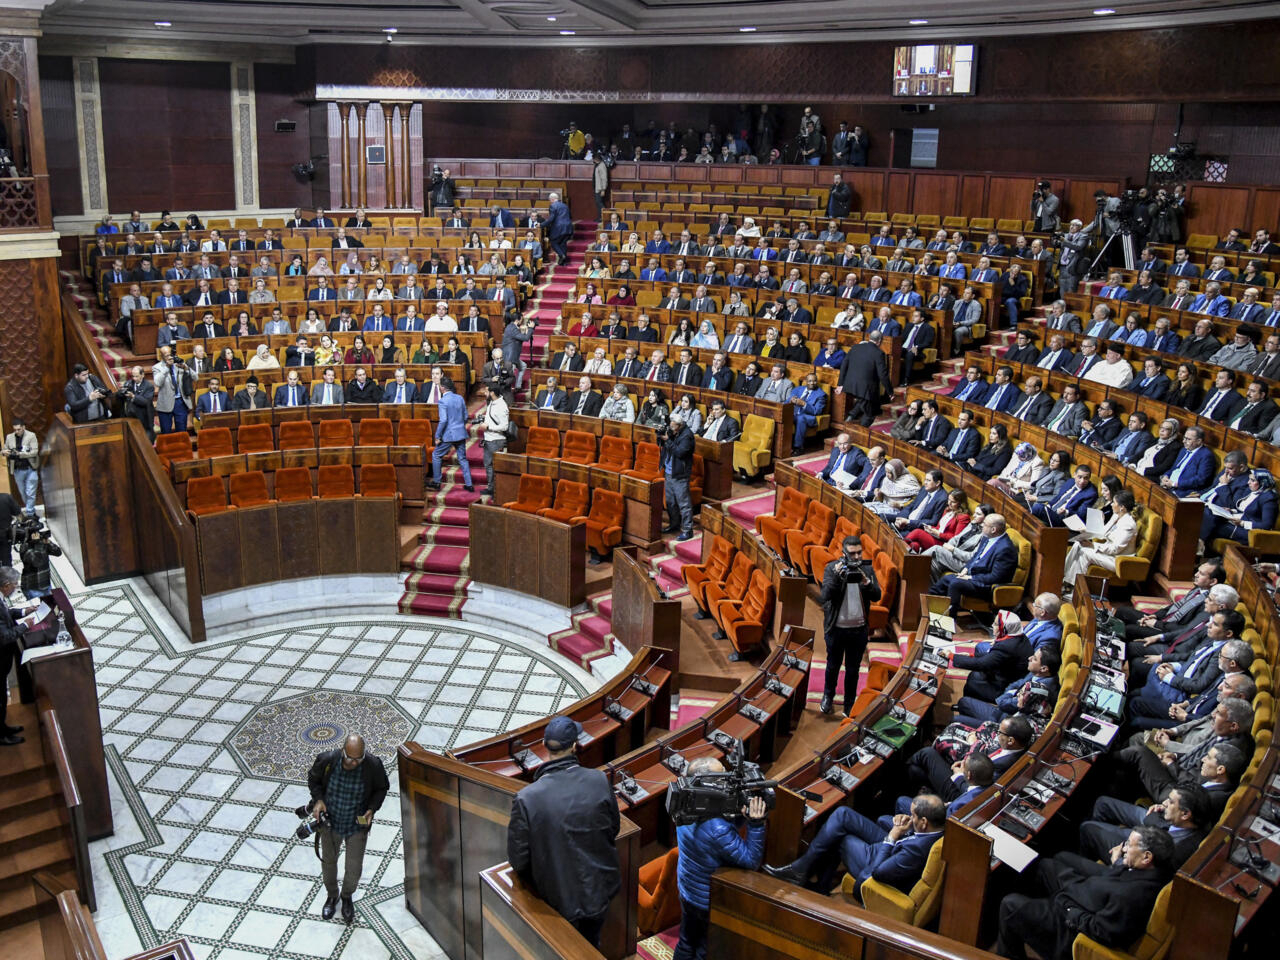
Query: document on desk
[(1008, 849), (1091, 526), (843, 479), (36, 616)]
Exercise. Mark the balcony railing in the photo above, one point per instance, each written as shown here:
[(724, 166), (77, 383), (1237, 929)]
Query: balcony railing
[(24, 204)]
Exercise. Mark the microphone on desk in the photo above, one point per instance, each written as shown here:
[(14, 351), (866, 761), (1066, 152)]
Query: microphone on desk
[(615, 709), (524, 757)]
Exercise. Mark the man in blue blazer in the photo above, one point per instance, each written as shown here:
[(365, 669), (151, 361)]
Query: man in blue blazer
[(994, 563), (872, 475), (977, 772), (215, 400), (559, 226), (934, 429), (658, 244), (1129, 445), (1003, 395), (1211, 301), (929, 769), (451, 435), (895, 856), (965, 440), (1074, 496), (291, 393), (501, 217), (926, 506), (1192, 471), (885, 323), (807, 403), (844, 456), (973, 388), (1153, 383)]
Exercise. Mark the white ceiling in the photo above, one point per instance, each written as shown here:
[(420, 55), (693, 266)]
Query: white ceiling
[(609, 22)]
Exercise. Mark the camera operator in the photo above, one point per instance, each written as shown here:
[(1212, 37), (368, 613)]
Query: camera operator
[(561, 838), (139, 396), (514, 337), (22, 450), (174, 391), (848, 590), (810, 143), (496, 418), (442, 188), (1044, 207), (676, 457), (706, 846), (1073, 260), (347, 788), (34, 549), (1162, 213), (86, 396)]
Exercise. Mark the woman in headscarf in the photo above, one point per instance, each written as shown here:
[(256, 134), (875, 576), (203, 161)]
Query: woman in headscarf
[(749, 228), (1256, 510), (706, 338)]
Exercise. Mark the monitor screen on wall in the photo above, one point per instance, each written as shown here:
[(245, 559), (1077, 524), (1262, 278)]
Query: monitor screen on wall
[(935, 70)]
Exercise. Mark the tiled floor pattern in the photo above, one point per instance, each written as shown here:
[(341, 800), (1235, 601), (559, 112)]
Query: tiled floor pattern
[(206, 851)]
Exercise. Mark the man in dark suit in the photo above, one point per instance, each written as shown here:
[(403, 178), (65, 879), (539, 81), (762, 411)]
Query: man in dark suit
[(674, 300), (568, 359), (964, 442), (1224, 401), (1034, 405), (926, 506), (933, 429), (1103, 427), (643, 332), (719, 426), (844, 456), (501, 217), (973, 388), (1003, 395), (916, 339), (1202, 344), (1267, 363), (139, 394), (201, 295), (686, 373), (233, 295), (584, 401), (342, 242), (250, 397), (1153, 383), (1074, 497), (1129, 445), (552, 397), (208, 327), (1258, 410), (629, 365), (213, 400), (1024, 349), (292, 393), (358, 221), (864, 379), (363, 388), (1056, 356), (656, 368), (994, 563), (717, 376), (321, 220), (235, 268), (928, 769), (269, 241)]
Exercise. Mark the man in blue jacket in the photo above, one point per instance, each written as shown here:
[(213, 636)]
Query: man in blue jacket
[(844, 456), (451, 435), (1192, 471), (994, 563), (706, 846), (1075, 496), (807, 403), (895, 856), (559, 227)]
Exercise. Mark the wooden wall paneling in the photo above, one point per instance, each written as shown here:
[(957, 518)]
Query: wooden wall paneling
[(58, 485), (1217, 209), (868, 188), (897, 192), (934, 193), (109, 541), (377, 535), (1266, 211), (57, 95), (417, 167), (299, 540), (333, 128), (1009, 197), (277, 96), (337, 518), (433, 878), (259, 544), (1078, 201), (485, 813), (218, 535)]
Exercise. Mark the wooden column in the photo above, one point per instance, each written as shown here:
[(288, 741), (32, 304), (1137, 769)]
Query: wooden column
[(388, 111), (362, 110), (344, 109), (406, 191)]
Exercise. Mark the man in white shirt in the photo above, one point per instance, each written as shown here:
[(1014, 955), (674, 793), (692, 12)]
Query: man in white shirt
[(328, 392), (440, 321), (1114, 370), (496, 418)]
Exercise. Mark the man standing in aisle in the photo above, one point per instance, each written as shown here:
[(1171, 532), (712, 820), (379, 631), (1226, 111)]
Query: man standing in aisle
[(22, 450), (677, 464), (496, 417), (848, 590), (451, 435)]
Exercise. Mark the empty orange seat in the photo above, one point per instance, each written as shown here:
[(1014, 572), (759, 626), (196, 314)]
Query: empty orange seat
[(579, 447), (215, 442), (646, 464), (296, 435), (658, 895), (604, 522), (887, 576), (792, 506), (697, 474), (174, 446), (733, 586), (534, 494), (378, 480), (542, 442), (572, 499), (616, 454), (249, 489), (206, 495), (375, 432), (336, 433), (336, 480), (744, 622), (415, 433), (818, 523), (698, 575), (293, 483), (817, 556), (255, 438)]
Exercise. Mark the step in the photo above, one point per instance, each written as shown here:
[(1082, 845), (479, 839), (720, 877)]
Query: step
[(433, 558), (594, 625), (54, 855), (441, 584), (30, 830), (446, 516), (453, 495), (446, 536), (432, 606), (580, 648), (17, 799), (603, 605), (688, 551)]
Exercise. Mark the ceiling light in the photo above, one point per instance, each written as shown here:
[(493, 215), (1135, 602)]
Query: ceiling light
[(567, 33), (163, 23), (917, 23), (1103, 12), (746, 29), (551, 19), (390, 29)]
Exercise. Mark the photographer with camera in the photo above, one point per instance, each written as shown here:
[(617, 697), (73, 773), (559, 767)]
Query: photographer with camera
[(676, 444), (848, 590), (1044, 207), (561, 838), (514, 336), (347, 788), (442, 191), (34, 550), (22, 450), (1162, 214), (1073, 261), (139, 396), (174, 391), (705, 846), (87, 398)]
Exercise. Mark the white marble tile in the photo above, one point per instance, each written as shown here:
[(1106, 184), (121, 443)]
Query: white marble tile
[(208, 920), (258, 927)]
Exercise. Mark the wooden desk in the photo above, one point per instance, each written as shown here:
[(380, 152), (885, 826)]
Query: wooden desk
[(550, 562)]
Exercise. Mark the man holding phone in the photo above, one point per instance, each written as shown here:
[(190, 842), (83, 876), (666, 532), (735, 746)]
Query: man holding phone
[(848, 590)]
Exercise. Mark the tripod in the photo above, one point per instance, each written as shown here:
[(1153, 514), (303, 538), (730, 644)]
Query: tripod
[(1127, 247)]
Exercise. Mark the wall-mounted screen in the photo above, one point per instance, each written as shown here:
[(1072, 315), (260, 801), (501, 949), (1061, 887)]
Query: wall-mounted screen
[(935, 70)]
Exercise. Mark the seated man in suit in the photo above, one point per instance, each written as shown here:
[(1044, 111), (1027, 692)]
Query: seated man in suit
[(251, 398), (1034, 405), (1024, 349), (926, 507), (1153, 383), (630, 364), (400, 389), (1058, 318), (363, 389), (686, 373), (1223, 402), (1034, 694), (291, 393), (932, 429), (965, 312), (844, 457), (656, 368), (928, 769), (568, 359), (1073, 497), (1130, 444), (777, 387), (719, 426), (916, 339), (973, 388), (1186, 814), (718, 375), (584, 401), (807, 403), (327, 391), (171, 331), (1192, 470), (964, 441), (1211, 301), (1056, 356), (895, 856), (1003, 395), (552, 397), (214, 400), (1068, 413), (300, 353), (1103, 427), (994, 563)]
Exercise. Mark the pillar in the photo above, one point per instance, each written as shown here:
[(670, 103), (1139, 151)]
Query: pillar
[(244, 135), (362, 111), (388, 111), (93, 164), (406, 189), (344, 111)]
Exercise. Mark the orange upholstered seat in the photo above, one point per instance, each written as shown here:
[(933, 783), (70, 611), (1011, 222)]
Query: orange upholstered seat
[(296, 435), (255, 438), (173, 446), (887, 576), (817, 556), (745, 621), (378, 480), (249, 489), (414, 433), (646, 465), (604, 522), (697, 475), (293, 483), (572, 499), (869, 548), (616, 454), (336, 480), (659, 897), (206, 495), (579, 447), (818, 523), (733, 586), (215, 442), (375, 432), (542, 442), (792, 506), (534, 494), (715, 569), (336, 433)]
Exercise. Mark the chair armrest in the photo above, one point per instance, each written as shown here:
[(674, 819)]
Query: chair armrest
[(1268, 541), (1006, 595), (1086, 948), (887, 901), (1132, 568)]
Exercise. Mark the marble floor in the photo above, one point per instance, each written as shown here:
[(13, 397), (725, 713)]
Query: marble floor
[(208, 749)]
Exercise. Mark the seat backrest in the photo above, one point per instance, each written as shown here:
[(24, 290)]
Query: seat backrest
[(844, 528), (173, 446), (573, 496), (758, 604), (757, 432), (616, 452), (336, 480), (534, 490), (249, 489), (791, 507), (215, 442), (735, 584), (647, 456), (336, 433), (927, 892), (542, 442), (721, 556), (1068, 617), (293, 483), (375, 432), (607, 507), (887, 576), (414, 433), (378, 480), (206, 495), (869, 547), (255, 438), (1024, 555), (579, 446), (819, 520), (296, 435), (1150, 526)]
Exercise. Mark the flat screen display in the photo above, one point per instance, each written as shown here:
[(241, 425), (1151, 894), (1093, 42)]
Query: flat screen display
[(935, 70)]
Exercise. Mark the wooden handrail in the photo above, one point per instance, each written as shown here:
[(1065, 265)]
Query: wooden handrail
[(55, 749), (80, 346)]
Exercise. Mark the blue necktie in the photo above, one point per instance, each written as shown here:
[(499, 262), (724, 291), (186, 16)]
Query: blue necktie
[(1176, 473), (955, 441), (1125, 444)]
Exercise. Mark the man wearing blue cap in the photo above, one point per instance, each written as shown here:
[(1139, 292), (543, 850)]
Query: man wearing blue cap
[(560, 838)]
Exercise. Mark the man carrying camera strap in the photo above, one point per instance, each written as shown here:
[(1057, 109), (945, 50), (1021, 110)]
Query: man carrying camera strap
[(848, 590), (347, 788)]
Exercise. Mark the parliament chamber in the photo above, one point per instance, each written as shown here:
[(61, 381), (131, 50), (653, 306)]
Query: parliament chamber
[(638, 484)]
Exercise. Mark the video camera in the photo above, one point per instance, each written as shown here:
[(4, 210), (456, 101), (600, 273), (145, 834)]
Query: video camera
[(29, 528), (310, 824), (706, 795)]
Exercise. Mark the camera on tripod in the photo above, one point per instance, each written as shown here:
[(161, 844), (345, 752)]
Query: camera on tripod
[(706, 795), (310, 824)]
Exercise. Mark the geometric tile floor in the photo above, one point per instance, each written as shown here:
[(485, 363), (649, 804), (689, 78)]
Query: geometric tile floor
[(202, 741)]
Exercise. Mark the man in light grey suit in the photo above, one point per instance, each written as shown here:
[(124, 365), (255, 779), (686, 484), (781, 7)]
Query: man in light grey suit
[(351, 290), (174, 391), (327, 392), (1067, 414), (411, 290), (278, 325), (1073, 259), (777, 388), (1044, 207), (1059, 319)]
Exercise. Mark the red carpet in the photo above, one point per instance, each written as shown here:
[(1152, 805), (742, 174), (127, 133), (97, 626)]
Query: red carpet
[(744, 510), (591, 635)]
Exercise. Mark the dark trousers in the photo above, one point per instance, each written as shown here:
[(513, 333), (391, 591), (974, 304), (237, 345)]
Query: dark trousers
[(957, 589), (695, 923), (8, 657), (1035, 921), (1110, 824), (927, 767), (560, 246), (973, 712), (849, 834), (175, 422), (490, 448), (679, 504), (845, 646), (590, 928)]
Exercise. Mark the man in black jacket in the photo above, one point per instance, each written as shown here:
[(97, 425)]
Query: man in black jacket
[(348, 787), (848, 590), (1108, 904), (677, 464), (87, 398), (560, 838), (10, 651), (864, 376)]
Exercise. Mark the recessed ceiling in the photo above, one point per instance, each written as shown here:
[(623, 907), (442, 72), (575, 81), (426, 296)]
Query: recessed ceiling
[(611, 22)]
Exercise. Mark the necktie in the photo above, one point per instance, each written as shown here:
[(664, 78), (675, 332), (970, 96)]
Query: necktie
[(994, 402), (1176, 473), (955, 442), (1212, 404), (911, 337), (582, 402), (328, 393), (217, 406), (546, 406), (1053, 424), (400, 393)]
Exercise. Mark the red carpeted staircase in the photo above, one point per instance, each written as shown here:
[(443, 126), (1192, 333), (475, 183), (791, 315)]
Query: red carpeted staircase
[(550, 296), (590, 637), (119, 356)]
